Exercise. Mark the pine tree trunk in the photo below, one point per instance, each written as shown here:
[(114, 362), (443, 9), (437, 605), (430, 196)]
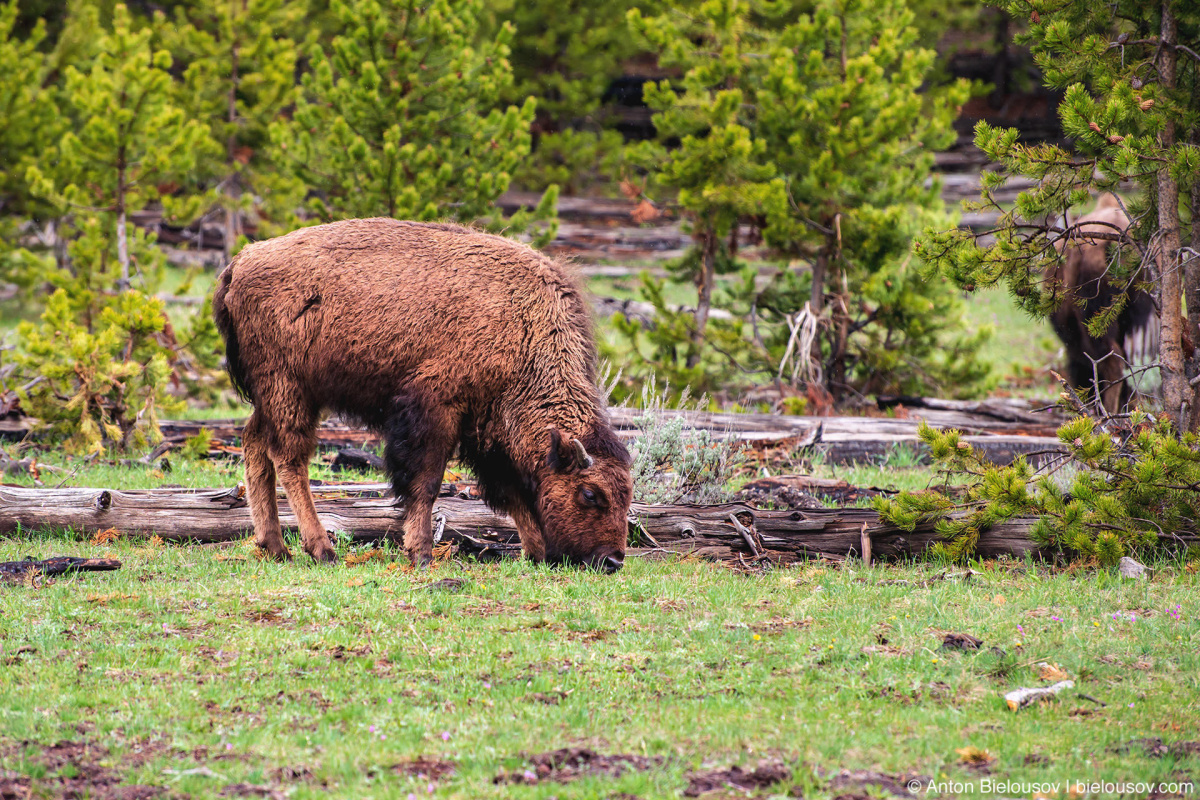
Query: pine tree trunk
[(1177, 395), (820, 265), (1191, 281), (122, 237), (836, 382), (708, 274)]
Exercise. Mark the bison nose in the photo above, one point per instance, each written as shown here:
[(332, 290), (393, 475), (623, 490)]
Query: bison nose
[(611, 564)]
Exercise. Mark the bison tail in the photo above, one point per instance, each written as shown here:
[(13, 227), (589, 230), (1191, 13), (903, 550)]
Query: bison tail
[(225, 324)]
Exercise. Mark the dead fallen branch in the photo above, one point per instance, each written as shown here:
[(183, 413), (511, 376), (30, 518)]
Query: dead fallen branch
[(720, 531), (18, 570)]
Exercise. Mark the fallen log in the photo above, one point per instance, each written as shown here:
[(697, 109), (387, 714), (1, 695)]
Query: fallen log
[(843, 440), (1018, 411), (802, 491), (13, 571), (999, 431), (730, 531)]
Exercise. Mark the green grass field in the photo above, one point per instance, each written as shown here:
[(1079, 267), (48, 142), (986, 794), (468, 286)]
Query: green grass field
[(207, 673)]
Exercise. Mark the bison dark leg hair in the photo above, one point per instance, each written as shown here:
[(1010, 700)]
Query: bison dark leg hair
[(420, 441), (533, 543), (260, 490), (503, 491)]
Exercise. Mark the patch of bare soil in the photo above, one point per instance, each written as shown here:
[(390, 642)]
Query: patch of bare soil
[(763, 776), (1155, 747), (267, 616), (253, 790), (424, 768), (858, 782), (71, 770), (572, 763), (960, 641)]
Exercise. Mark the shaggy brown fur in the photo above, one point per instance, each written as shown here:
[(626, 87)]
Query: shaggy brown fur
[(438, 336), (1082, 273)]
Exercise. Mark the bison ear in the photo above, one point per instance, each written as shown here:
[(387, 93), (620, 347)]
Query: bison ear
[(566, 456)]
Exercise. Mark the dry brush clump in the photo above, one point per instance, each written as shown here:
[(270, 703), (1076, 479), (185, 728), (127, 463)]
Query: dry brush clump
[(676, 463)]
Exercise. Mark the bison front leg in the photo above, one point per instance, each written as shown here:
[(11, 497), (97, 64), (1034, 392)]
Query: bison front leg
[(533, 542), (260, 490), (419, 443)]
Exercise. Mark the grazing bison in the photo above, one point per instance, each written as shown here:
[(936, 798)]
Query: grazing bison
[(1082, 274), (437, 336)]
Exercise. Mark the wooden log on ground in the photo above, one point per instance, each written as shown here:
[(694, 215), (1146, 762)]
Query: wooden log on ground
[(843, 440), (999, 431), (725, 531)]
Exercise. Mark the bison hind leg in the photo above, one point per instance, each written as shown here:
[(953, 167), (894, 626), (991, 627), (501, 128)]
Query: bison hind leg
[(420, 438), (291, 443), (260, 490)]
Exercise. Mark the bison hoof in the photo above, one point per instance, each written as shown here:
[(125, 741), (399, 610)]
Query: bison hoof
[(274, 550), (323, 554), (282, 556), (420, 560)]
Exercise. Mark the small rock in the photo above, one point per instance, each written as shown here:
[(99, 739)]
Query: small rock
[(1130, 568)]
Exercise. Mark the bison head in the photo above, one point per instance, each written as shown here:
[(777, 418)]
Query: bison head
[(583, 500)]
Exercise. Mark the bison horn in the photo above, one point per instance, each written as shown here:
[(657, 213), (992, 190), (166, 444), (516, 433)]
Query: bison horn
[(582, 459)]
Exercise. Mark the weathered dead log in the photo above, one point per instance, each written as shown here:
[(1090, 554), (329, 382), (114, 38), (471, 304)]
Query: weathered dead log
[(800, 491), (57, 565), (843, 440), (353, 458), (713, 531), (1002, 410), (999, 431)]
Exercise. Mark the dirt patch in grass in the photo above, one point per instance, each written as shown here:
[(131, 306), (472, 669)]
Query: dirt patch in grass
[(573, 763), (763, 776), (253, 790), (267, 616), (215, 655), (424, 768), (1155, 747), (486, 608), (71, 770), (546, 698), (856, 783)]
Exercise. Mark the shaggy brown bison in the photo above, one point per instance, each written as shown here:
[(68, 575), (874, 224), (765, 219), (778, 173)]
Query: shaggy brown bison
[(437, 336), (1083, 274)]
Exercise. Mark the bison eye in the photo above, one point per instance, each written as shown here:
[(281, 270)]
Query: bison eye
[(591, 497)]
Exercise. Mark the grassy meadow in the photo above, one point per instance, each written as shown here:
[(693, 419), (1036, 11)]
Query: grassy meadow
[(204, 672)]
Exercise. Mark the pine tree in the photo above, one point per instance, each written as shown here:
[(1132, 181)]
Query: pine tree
[(28, 118), (239, 76), (1132, 113), (809, 128), (719, 173), (566, 54), (129, 142), (398, 115), (99, 361), (29, 121), (844, 115)]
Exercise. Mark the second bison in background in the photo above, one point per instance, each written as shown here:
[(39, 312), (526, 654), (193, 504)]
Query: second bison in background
[(1094, 362), (437, 336)]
